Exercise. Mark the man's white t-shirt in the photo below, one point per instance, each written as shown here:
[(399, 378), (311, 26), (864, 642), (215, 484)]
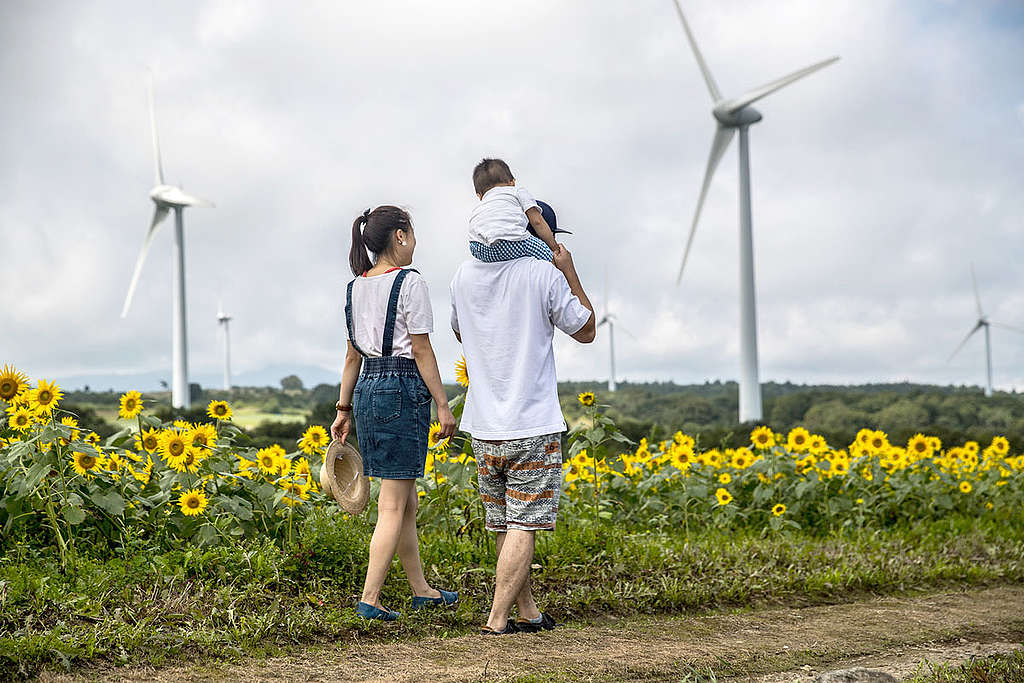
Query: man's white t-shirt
[(501, 215), (370, 296), (506, 313)]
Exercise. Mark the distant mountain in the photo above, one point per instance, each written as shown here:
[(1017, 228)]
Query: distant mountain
[(270, 376)]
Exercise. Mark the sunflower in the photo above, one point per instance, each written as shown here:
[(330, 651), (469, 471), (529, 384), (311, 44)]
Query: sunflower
[(762, 437), (192, 502), (219, 410), (266, 459), (20, 418), (817, 444), (72, 424), (723, 496), (461, 373), (724, 478), (86, 463), (174, 444), (131, 405), (965, 487), (878, 441), (284, 465), (12, 383), (314, 440), (586, 398), (92, 438), (44, 398), (203, 435), (779, 509), (433, 442), (972, 447), (920, 446), (149, 440), (188, 461), (1000, 446), (246, 468), (798, 440), (144, 473)]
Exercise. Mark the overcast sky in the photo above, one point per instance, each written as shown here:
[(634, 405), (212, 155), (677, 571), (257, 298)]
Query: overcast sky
[(876, 181)]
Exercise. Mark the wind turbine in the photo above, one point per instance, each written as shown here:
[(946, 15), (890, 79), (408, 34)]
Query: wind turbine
[(982, 323), (732, 115), (223, 319), (167, 197), (610, 319)]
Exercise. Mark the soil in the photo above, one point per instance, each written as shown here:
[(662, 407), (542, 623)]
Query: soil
[(896, 635)]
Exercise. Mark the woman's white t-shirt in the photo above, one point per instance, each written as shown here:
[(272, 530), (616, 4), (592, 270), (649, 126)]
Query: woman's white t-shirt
[(370, 296)]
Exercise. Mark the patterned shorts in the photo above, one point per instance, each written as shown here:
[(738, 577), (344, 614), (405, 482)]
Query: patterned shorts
[(520, 481), (503, 250)]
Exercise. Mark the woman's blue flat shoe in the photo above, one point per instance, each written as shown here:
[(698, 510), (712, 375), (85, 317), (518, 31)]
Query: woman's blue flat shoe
[(447, 598), (367, 611)]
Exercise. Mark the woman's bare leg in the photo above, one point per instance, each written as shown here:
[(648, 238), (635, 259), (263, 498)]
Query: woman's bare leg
[(391, 506), (409, 549)]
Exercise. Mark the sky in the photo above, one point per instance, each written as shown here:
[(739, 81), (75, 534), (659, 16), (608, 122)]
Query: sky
[(876, 182)]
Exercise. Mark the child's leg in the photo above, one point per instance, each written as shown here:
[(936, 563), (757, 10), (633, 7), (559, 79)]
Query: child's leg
[(503, 250)]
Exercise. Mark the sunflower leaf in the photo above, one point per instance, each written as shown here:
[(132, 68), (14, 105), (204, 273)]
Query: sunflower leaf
[(119, 438), (74, 514), (109, 501)]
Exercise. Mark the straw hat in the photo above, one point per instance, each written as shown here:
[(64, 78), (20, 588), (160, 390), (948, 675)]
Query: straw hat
[(341, 476)]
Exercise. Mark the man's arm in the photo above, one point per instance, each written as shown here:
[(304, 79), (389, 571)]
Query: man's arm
[(563, 261)]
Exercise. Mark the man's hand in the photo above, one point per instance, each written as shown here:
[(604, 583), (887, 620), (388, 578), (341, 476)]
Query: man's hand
[(563, 259), (447, 420), (342, 425)]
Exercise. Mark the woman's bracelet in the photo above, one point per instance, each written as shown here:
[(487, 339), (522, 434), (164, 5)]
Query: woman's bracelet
[(343, 408)]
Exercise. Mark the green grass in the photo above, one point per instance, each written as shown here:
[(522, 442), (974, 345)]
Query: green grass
[(139, 605), (998, 668)]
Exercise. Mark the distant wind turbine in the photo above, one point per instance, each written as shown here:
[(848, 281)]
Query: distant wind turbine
[(732, 115), (223, 319), (983, 323), (610, 319), (167, 197)]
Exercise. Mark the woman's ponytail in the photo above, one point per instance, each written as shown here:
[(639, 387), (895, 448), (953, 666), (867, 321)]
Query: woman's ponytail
[(372, 232), (358, 259)]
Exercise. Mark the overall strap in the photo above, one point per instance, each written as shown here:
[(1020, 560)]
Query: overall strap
[(389, 322), (348, 320)]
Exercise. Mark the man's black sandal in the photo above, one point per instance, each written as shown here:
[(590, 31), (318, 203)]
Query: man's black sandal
[(510, 628), (546, 623)]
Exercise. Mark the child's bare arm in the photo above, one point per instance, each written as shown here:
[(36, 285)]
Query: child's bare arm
[(540, 226)]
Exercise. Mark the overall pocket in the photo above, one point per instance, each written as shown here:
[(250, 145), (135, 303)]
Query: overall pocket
[(387, 404)]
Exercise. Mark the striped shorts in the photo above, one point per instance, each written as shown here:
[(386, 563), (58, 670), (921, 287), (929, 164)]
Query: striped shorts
[(520, 481)]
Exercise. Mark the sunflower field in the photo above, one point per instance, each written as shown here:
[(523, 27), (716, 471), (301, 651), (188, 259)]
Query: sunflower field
[(179, 483)]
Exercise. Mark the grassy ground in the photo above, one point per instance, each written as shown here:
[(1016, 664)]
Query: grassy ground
[(1005, 668), (136, 605)]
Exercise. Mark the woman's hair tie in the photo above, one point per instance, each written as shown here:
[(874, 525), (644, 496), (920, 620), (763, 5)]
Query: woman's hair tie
[(366, 215)]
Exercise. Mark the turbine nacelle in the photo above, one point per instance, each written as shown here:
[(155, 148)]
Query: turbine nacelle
[(744, 116), (174, 197)]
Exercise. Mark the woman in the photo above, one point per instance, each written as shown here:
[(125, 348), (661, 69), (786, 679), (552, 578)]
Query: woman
[(388, 322)]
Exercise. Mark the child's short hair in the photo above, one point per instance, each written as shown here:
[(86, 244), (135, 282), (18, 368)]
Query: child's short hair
[(490, 173)]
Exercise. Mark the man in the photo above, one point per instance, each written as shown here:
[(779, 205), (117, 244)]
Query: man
[(505, 314)]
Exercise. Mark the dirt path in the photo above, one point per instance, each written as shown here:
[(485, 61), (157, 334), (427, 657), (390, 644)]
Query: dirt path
[(892, 634)]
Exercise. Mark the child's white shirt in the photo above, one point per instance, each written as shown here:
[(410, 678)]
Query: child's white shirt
[(501, 215)]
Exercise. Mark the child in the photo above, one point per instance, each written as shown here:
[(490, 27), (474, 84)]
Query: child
[(500, 226)]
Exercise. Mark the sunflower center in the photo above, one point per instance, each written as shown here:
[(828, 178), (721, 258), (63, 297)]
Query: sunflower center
[(267, 461), (88, 462), (45, 397), (190, 458), (192, 502), (199, 439), (149, 442), (220, 410), (7, 388), (176, 448), (22, 420)]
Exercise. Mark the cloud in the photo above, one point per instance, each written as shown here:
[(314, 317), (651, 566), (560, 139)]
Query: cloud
[(876, 182)]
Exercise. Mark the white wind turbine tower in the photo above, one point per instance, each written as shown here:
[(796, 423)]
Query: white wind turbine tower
[(732, 115), (223, 319), (982, 323), (167, 197), (610, 319)]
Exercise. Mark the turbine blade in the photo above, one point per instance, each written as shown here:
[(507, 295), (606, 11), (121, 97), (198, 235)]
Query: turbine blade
[(606, 289), (708, 78), (1004, 326), (158, 166), (158, 215), (723, 136), (734, 105), (977, 298), (969, 334), (626, 330)]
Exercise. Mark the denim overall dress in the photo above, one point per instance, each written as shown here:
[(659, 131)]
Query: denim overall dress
[(391, 403)]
